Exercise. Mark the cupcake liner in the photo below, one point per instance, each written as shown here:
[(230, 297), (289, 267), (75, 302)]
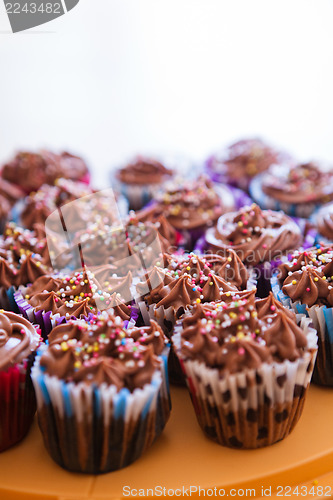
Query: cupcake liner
[(303, 210), (322, 319), (94, 429), (223, 178), (17, 403), (254, 408), (241, 198)]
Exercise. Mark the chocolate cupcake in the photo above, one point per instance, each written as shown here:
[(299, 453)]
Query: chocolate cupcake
[(190, 206), (102, 394), (305, 285), (248, 366), (140, 179), (261, 238), (19, 340), (23, 258), (185, 280), (240, 162), (297, 189), (41, 203), (29, 171)]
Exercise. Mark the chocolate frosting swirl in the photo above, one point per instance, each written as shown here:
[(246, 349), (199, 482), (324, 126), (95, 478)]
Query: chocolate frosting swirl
[(241, 334), (31, 170), (307, 277), (144, 171), (190, 205), (255, 235), (304, 183), (18, 339), (99, 352), (245, 158)]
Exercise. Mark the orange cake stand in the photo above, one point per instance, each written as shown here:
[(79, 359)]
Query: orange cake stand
[(183, 457)]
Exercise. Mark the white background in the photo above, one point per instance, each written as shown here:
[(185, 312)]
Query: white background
[(116, 77)]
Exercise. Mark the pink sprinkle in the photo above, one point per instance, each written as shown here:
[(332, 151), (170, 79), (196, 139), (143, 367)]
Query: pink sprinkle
[(264, 245), (273, 308), (241, 351), (308, 289)]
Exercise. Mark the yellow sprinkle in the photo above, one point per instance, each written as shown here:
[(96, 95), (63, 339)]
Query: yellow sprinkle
[(228, 294), (233, 339), (240, 335), (229, 259), (81, 294), (240, 223), (254, 314), (198, 301), (77, 364), (188, 268), (315, 482), (96, 348), (64, 346), (324, 277), (315, 279), (71, 281), (89, 349)]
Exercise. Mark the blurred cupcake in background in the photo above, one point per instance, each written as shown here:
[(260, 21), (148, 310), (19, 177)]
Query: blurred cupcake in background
[(30, 170), (260, 238), (305, 285), (140, 180), (240, 162), (190, 206), (297, 189), (19, 340)]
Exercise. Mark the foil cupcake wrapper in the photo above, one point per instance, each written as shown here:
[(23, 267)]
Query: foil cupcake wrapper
[(17, 403), (137, 195), (94, 430), (254, 408), (322, 320), (302, 210), (223, 178)]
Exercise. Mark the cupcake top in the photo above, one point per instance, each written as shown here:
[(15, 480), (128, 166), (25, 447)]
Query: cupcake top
[(303, 183), (31, 170), (100, 351), (243, 159), (148, 221), (241, 334), (308, 276), (324, 221), (190, 204), (18, 339), (255, 235), (40, 204), (78, 294), (144, 170), (182, 283)]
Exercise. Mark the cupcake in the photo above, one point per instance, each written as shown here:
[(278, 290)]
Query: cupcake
[(19, 340), (140, 179), (261, 238), (23, 258), (53, 299), (102, 395), (185, 280), (29, 171), (248, 365), (190, 206), (240, 162), (297, 189), (305, 285)]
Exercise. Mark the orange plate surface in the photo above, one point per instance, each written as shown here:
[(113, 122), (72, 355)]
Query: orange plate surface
[(183, 457)]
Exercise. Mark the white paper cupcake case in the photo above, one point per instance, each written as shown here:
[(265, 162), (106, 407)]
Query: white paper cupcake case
[(322, 320), (253, 408), (97, 429)]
